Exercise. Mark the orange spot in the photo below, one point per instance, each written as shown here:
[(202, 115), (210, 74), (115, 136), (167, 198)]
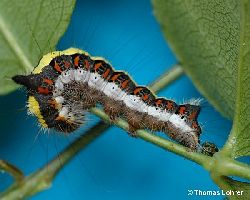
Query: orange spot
[(125, 84), (158, 102), (145, 97), (113, 78), (48, 81), (106, 73), (182, 110), (138, 89), (76, 61), (57, 68), (169, 105), (97, 65), (43, 90), (86, 64)]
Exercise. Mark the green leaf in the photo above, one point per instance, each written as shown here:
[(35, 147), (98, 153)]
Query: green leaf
[(238, 190), (205, 36), (239, 141), (212, 41), (242, 118), (29, 29)]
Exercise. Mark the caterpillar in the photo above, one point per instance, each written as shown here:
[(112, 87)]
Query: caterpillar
[(65, 84)]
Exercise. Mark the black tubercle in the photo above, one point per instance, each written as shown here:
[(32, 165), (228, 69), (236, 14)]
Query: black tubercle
[(31, 82), (20, 79)]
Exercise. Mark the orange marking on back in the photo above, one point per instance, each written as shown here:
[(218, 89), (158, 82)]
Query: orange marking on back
[(182, 110), (158, 102), (43, 90), (106, 73), (115, 77), (125, 84), (57, 67), (86, 64), (76, 60), (97, 65), (48, 81), (137, 90), (145, 97), (169, 105)]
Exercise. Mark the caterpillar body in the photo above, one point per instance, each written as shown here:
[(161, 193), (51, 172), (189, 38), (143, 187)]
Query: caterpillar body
[(67, 83)]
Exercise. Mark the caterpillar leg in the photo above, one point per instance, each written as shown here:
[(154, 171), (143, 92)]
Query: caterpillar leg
[(153, 124), (112, 109), (135, 121), (188, 139), (132, 131), (112, 112)]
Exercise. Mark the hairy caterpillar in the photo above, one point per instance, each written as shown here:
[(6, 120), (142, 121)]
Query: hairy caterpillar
[(65, 84)]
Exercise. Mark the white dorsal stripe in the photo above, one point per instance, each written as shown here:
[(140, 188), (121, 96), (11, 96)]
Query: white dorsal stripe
[(81, 75), (113, 91), (159, 113), (180, 123), (95, 81), (135, 103)]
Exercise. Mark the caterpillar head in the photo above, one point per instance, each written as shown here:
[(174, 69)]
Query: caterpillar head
[(48, 108), (51, 110)]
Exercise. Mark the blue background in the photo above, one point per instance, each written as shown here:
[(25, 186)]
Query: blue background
[(115, 166)]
